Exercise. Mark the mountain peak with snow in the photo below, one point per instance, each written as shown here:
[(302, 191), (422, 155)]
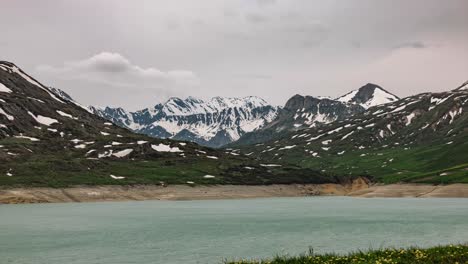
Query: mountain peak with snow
[(368, 96)]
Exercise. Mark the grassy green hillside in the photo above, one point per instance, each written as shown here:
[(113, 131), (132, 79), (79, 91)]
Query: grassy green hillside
[(437, 163), (40, 164)]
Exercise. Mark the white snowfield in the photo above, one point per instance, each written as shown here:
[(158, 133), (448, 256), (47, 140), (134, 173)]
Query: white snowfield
[(165, 148), (44, 120)]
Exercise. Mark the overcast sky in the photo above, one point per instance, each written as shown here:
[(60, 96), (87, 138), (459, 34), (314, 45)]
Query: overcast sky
[(138, 53)]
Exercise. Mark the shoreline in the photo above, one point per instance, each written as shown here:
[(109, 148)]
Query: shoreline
[(359, 188)]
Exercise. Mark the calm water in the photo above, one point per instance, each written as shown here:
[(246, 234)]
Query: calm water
[(208, 231)]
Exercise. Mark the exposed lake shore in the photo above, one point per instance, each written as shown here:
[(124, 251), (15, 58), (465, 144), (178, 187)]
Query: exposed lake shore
[(359, 188)]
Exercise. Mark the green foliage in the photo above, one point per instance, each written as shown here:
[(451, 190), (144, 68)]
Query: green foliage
[(436, 255)]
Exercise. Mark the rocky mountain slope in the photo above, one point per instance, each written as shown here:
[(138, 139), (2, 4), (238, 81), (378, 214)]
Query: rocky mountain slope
[(46, 139), (421, 138), (213, 123), (307, 112)]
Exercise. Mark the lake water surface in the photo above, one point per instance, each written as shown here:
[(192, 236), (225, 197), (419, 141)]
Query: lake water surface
[(208, 231)]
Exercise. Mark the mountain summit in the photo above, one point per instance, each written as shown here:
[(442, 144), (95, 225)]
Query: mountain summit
[(368, 96)]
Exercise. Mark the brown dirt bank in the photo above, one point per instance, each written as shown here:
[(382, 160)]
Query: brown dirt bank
[(359, 188)]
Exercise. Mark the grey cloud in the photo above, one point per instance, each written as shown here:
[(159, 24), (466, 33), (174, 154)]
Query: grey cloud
[(412, 44), (256, 18), (108, 70), (114, 63)]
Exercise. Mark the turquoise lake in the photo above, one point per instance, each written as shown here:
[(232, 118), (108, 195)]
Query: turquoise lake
[(209, 231)]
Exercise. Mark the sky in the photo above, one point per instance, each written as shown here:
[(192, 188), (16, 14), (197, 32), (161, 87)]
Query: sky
[(138, 53)]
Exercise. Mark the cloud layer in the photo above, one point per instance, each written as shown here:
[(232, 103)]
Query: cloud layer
[(107, 70), (108, 65), (123, 52)]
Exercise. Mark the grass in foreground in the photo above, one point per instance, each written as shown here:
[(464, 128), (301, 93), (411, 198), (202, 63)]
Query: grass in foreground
[(436, 255)]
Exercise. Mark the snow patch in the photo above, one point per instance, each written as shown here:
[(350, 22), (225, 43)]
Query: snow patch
[(409, 118), (270, 165), (122, 153), (165, 148), (44, 120), (287, 147), (65, 114), (30, 138), (347, 135), (4, 89)]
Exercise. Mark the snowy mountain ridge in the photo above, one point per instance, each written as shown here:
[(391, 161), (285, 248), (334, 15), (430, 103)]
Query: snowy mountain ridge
[(214, 123)]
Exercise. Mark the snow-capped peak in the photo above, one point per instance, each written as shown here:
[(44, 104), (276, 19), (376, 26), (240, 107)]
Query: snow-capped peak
[(368, 95), (175, 106)]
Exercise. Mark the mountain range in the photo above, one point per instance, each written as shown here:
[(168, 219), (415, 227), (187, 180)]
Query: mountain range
[(221, 121), (47, 139), (308, 112), (420, 138), (212, 123)]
